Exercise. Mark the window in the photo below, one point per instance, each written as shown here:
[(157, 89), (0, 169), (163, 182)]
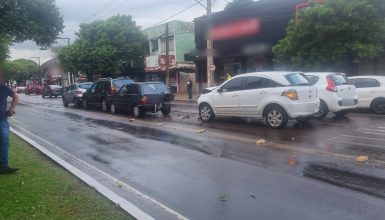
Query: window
[(268, 83), (132, 89), (85, 86), (73, 87), (120, 82), (154, 88), (366, 83), (170, 44), (99, 86), (338, 79), (233, 85), (297, 79), (123, 90), (154, 45), (254, 83), (313, 79)]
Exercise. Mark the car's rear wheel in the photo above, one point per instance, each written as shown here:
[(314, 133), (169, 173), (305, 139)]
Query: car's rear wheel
[(276, 117), (137, 112), (113, 108), (85, 104), (166, 110), (378, 106), (206, 113), (322, 112)]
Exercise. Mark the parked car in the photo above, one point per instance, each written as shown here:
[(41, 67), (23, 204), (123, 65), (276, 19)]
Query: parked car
[(140, 98), (52, 90), (274, 96), (33, 89), (74, 93), (335, 93), (99, 93), (20, 89), (371, 92)]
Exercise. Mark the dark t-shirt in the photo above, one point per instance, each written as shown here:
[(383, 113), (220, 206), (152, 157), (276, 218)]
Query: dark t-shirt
[(5, 92), (189, 84)]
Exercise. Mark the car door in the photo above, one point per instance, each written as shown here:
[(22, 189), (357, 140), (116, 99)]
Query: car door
[(367, 90), (133, 96), (226, 100), (91, 99), (119, 99), (251, 95), (99, 93)]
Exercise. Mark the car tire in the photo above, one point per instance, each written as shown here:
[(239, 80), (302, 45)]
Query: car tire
[(378, 106), (104, 105), (85, 104), (206, 113), (276, 117), (113, 109), (322, 112), (166, 110), (137, 112), (65, 103)]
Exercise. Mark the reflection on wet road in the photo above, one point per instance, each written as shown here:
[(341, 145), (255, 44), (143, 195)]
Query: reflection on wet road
[(307, 170)]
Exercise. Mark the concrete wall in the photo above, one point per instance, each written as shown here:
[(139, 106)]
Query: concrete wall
[(184, 43)]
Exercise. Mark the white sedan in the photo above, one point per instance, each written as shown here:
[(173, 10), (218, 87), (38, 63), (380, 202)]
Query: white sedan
[(371, 92), (274, 96)]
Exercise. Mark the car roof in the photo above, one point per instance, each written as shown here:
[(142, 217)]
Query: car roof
[(321, 73), (368, 76)]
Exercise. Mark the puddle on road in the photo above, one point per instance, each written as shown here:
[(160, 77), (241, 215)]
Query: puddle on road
[(356, 181)]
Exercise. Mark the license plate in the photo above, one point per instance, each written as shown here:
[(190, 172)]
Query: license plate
[(348, 102)]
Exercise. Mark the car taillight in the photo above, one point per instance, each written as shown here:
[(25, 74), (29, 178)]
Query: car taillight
[(291, 94), (144, 100), (331, 85), (79, 92), (113, 90)]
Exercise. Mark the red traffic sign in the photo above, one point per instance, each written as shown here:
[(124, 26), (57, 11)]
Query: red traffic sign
[(212, 67)]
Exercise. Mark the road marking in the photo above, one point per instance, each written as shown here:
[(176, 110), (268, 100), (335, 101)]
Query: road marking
[(366, 132), (367, 129), (360, 137), (361, 144), (130, 208)]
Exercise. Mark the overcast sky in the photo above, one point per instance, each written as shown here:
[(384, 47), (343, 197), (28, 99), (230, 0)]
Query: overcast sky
[(145, 12)]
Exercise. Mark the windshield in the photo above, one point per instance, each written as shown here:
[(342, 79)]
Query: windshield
[(154, 88), (85, 86), (118, 83), (297, 79), (339, 79)]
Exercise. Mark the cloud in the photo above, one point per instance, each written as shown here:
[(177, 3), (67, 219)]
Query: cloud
[(145, 13)]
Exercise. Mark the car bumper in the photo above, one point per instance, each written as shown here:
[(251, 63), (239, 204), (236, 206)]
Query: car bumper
[(343, 104), (301, 110)]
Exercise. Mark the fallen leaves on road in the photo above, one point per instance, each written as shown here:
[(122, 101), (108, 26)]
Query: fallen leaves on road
[(260, 141), (252, 196), (200, 130), (362, 159), (223, 198)]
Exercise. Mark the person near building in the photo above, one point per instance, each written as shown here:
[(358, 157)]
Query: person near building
[(189, 88), (5, 92)]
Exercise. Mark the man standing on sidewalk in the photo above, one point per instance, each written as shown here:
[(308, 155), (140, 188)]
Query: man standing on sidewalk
[(189, 88), (5, 92)]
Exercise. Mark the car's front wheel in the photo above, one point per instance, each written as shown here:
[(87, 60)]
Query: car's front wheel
[(378, 106), (276, 117), (206, 113)]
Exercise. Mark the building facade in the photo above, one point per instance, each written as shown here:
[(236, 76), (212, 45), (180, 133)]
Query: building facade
[(180, 40)]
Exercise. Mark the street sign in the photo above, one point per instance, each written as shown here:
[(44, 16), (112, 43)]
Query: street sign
[(211, 67)]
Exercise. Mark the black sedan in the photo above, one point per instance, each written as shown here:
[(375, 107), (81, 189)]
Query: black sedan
[(140, 98)]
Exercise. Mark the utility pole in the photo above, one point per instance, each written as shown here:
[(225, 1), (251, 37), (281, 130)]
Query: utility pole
[(210, 58), (167, 58)]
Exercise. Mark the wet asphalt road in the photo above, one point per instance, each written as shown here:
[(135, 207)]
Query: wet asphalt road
[(216, 170)]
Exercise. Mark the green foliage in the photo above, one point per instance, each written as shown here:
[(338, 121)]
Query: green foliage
[(20, 20), (238, 4), (334, 35), (20, 70), (104, 47)]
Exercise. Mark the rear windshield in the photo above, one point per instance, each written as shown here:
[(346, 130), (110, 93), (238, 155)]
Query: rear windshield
[(118, 83), (338, 79), (297, 79), (154, 88), (55, 87), (85, 86)]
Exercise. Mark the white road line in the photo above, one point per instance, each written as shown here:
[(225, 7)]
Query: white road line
[(368, 129), (380, 134), (131, 209), (360, 137), (381, 127)]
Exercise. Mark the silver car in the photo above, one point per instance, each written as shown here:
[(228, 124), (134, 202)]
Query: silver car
[(74, 93)]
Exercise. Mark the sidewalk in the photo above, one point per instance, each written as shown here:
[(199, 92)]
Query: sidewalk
[(183, 97)]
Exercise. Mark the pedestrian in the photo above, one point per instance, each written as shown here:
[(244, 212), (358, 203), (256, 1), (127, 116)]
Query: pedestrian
[(5, 92), (228, 76), (189, 88)]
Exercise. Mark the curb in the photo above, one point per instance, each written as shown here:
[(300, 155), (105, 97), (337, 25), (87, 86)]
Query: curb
[(113, 197)]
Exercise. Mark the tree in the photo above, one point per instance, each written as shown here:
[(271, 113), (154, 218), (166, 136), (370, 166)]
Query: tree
[(238, 4), (20, 20), (104, 47), (334, 35), (20, 70)]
